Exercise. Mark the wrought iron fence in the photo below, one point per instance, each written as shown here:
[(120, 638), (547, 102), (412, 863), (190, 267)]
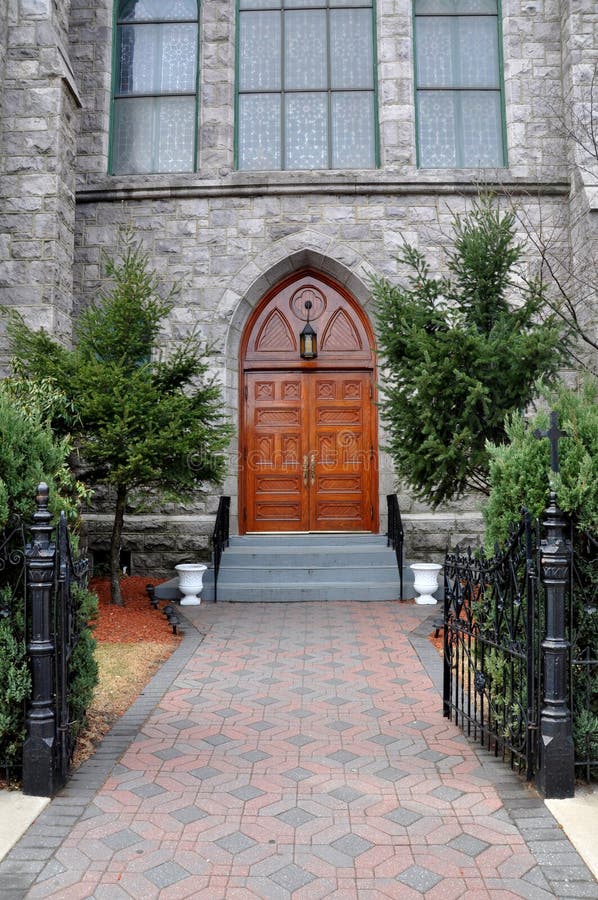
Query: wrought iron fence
[(13, 582), (491, 638), (68, 624), (395, 536), (220, 538), (582, 635), (54, 624)]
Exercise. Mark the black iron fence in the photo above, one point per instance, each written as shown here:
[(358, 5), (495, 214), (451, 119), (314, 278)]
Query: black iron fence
[(491, 670), (12, 625), (395, 535), (510, 682), (220, 538), (54, 625), (582, 634)]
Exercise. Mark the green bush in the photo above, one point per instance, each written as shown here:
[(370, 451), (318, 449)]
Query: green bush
[(520, 476), (460, 354), (520, 473), (15, 680), (30, 453)]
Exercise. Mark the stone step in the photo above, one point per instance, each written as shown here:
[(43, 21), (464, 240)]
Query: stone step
[(256, 592), (279, 568), (294, 540), (305, 572), (312, 557)]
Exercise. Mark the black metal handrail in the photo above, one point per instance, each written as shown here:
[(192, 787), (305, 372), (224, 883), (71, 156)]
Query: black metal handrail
[(220, 538), (395, 535)]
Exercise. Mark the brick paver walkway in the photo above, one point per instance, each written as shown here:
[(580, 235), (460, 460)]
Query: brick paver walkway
[(300, 752)]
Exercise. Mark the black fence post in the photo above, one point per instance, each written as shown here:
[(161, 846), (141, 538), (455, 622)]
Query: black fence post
[(556, 776), (39, 746)]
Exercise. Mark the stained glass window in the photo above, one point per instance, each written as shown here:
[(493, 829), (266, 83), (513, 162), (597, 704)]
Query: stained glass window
[(459, 87), (154, 112), (305, 83)]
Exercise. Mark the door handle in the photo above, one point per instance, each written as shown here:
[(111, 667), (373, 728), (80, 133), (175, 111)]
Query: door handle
[(312, 467), (305, 468)]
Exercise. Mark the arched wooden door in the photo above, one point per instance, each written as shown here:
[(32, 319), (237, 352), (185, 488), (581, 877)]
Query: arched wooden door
[(308, 429)]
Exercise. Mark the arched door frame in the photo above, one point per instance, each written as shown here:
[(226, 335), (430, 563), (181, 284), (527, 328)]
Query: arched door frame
[(361, 359)]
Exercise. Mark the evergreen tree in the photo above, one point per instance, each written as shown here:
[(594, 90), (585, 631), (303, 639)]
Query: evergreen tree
[(460, 353), (142, 422)]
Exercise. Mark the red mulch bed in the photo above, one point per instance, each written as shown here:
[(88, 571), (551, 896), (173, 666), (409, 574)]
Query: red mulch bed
[(134, 623)]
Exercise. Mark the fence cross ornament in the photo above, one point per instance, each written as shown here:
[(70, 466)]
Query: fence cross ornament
[(554, 434)]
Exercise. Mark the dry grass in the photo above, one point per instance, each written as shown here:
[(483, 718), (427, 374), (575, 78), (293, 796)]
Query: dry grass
[(124, 670)]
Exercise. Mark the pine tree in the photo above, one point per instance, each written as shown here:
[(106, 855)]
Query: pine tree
[(143, 422), (460, 353)]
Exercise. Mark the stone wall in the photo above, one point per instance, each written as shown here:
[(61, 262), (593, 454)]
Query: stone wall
[(38, 132), (229, 236)]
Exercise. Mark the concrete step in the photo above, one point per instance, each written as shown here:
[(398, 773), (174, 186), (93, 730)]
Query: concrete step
[(315, 558), (306, 572), (300, 567), (256, 592)]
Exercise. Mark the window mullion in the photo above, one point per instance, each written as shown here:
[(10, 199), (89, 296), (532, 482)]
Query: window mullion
[(329, 86), (283, 97)]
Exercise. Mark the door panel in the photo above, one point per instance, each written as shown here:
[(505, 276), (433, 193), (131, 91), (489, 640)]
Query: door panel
[(309, 451), (341, 437), (276, 435)]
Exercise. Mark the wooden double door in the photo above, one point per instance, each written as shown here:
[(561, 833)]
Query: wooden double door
[(309, 452)]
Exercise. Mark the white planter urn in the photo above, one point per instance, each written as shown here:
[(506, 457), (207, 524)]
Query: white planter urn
[(425, 581), (190, 582)]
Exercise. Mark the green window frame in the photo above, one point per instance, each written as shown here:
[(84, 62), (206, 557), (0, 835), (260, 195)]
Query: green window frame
[(154, 112), (459, 95), (306, 86)]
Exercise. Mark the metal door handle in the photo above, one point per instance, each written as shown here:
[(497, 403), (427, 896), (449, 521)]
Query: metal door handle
[(312, 467), (305, 468)]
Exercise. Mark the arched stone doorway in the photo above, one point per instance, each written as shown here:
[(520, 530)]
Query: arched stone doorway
[(308, 428)]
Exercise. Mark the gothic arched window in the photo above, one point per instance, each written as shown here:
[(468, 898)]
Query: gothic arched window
[(154, 112), (459, 83), (305, 85)]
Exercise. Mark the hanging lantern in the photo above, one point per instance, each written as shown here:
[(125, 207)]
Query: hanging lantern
[(308, 339)]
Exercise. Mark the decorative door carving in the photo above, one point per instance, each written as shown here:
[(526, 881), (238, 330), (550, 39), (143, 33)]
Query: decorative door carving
[(308, 429)]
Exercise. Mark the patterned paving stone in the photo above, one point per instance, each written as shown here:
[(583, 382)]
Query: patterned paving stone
[(352, 845), (216, 740), (299, 740), (390, 773), (188, 814), (148, 790), (465, 843), (403, 816), (346, 794), (339, 725), (446, 793), (292, 878), (353, 788), (295, 817), (204, 773), (236, 842), (298, 774), (254, 756), (342, 756), (419, 879), (382, 739), (170, 753), (165, 875), (119, 840), (249, 792)]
